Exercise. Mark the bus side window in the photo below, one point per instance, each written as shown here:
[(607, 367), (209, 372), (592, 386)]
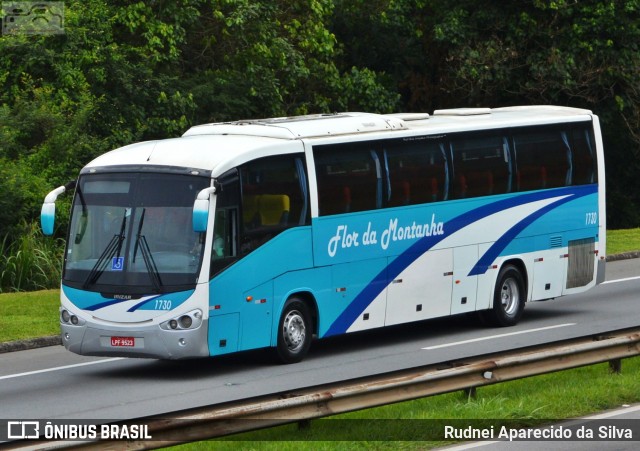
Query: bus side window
[(417, 173), (349, 178), (482, 165), (542, 159), (274, 198), (583, 155), (224, 247)]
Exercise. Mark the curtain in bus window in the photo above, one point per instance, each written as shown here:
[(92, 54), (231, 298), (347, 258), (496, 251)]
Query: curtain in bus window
[(584, 162), (481, 166), (348, 178), (417, 172), (302, 178), (569, 175), (542, 160)]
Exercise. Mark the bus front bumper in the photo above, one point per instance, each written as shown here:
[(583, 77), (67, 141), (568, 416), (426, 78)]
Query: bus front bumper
[(148, 342)]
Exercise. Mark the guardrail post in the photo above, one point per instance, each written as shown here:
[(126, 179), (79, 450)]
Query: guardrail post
[(615, 366), (470, 392)]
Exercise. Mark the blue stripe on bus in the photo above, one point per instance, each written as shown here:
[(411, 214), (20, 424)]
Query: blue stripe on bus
[(95, 307), (404, 260), (92, 301), (137, 306), (494, 251), (88, 300)]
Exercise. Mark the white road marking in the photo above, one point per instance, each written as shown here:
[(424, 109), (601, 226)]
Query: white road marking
[(620, 280), (58, 368), (614, 413), (491, 337)]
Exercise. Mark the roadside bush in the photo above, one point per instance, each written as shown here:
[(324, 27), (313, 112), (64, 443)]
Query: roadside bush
[(32, 262)]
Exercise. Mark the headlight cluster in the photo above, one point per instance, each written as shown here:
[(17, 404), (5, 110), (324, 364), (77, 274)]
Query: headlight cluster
[(190, 320), (67, 317)]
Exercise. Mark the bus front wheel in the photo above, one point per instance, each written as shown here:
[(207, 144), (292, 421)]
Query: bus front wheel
[(295, 332), (508, 298)]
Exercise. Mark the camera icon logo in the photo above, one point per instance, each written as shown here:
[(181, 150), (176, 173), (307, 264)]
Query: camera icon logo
[(31, 18), (23, 429)]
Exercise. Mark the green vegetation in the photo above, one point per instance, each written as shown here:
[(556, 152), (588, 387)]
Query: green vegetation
[(625, 240), (29, 315), (129, 71), (124, 72), (31, 262), (532, 401)]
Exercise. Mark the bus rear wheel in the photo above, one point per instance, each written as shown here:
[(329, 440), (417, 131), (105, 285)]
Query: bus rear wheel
[(295, 332), (508, 298)]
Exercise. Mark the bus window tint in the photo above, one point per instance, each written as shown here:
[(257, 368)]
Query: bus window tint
[(480, 165), (349, 179), (417, 173), (225, 226), (583, 157), (542, 160), (274, 198)]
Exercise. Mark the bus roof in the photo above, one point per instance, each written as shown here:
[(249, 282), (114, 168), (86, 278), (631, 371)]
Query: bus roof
[(297, 127), (220, 146)]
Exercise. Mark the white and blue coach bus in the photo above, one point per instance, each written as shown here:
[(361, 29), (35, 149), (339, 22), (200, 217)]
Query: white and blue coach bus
[(265, 233)]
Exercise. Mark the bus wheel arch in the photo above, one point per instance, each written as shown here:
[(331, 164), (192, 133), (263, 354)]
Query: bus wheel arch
[(296, 327), (509, 295)]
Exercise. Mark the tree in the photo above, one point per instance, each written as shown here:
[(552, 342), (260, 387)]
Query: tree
[(485, 53)]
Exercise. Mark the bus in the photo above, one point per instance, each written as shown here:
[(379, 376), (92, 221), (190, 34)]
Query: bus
[(268, 233)]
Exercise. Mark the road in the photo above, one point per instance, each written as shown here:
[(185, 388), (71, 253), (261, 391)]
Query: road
[(68, 386)]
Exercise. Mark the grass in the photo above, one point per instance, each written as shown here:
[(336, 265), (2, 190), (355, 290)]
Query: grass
[(625, 240), (29, 315)]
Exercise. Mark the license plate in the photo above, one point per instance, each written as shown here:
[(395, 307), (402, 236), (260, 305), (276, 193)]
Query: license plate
[(123, 341)]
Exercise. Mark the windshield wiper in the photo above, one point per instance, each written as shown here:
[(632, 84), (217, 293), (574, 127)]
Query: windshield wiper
[(135, 248), (149, 262), (112, 250)]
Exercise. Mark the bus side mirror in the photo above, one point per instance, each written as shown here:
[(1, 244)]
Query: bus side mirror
[(201, 210), (48, 212)]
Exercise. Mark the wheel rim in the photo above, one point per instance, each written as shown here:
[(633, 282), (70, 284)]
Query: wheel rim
[(510, 296), (294, 330)]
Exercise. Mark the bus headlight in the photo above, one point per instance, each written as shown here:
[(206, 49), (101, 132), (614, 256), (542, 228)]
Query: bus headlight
[(189, 320), (68, 317), (185, 321)]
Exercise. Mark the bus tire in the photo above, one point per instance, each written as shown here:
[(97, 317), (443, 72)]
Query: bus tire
[(508, 298), (295, 331)]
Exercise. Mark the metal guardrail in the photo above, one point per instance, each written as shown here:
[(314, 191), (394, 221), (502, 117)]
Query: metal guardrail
[(316, 402)]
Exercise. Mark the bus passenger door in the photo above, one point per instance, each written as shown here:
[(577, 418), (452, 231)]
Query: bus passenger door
[(465, 287), (422, 290)]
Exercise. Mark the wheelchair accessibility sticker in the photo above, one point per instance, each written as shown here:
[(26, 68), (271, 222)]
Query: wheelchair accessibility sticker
[(117, 264)]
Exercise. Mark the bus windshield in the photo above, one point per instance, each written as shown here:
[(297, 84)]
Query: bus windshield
[(131, 233)]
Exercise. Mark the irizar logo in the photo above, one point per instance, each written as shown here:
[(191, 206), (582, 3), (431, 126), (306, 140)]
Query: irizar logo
[(346, 238), (124, 297)]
